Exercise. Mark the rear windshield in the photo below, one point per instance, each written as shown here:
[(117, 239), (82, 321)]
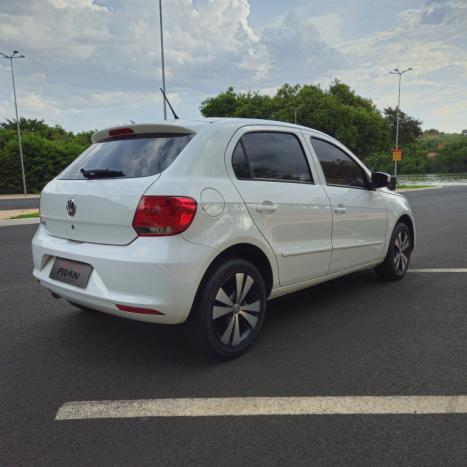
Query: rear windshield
[(140, 156)]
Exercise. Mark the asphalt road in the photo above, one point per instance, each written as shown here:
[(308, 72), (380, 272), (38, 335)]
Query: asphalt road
[(19, 203), (352, 336)]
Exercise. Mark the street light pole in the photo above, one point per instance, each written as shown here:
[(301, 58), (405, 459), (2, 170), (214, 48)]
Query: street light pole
[(400, 73), (295, 113), (162, 57), (11, 57)]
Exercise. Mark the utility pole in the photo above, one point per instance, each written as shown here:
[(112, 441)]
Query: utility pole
[(295, 110), (162, 57), (400, 73), (11, 57)]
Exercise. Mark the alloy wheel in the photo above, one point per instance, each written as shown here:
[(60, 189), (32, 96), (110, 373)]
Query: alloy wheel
[(236, 310), (402, 249)]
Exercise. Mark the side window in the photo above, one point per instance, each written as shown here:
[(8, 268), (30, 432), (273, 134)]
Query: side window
[(239, 162), (339, 169), (276, 156)]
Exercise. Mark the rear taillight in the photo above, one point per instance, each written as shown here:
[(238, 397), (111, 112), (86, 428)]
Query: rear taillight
[(163, 215)]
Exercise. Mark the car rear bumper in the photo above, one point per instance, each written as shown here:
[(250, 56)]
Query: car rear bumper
[(160, 274)]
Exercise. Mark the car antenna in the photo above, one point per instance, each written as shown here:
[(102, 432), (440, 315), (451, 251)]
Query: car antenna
[(168, 102)]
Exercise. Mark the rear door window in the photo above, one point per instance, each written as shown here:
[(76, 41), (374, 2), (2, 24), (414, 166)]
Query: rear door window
[(141, 156), (276, 156)]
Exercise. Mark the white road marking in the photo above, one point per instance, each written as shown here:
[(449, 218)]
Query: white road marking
[(439, 270), (253, 406)]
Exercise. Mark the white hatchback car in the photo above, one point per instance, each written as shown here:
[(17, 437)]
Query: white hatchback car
[(209, 219)]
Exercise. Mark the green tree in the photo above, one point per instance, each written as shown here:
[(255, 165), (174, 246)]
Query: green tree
[(238, 105), (338, 111), (409, 128), (47, 151), (452, 157)]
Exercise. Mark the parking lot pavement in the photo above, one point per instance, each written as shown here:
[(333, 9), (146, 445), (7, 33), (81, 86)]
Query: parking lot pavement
[(354, 336)]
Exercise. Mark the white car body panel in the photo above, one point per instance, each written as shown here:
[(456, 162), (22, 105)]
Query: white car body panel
[(359, 233), (304, 240), (360, 221), (155, 273), (105, 209), (397, 206), (299, 229)]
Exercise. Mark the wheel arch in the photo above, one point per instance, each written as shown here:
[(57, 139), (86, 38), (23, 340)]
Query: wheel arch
[(408, 221), (250, 252), (247, 251)]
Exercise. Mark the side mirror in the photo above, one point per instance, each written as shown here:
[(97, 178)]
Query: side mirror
[(380, 179)]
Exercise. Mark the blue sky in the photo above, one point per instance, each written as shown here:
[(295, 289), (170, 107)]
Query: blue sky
[(95, 63)]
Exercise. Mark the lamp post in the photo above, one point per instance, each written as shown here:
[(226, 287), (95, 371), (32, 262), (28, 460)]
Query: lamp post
[(396, 71), (162, 57), (295, 110), (14, 55)]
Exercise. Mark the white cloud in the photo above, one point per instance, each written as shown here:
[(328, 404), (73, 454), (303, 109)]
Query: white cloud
[(77, 4), (91, 63), (330, 27), (426, 40), (295, 48)]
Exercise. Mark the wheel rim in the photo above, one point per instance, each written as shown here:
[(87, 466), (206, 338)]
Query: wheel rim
[(237, 309), (401, 252)]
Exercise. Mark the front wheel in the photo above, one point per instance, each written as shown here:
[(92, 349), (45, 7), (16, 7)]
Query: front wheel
[(396, 263), (230, 308)]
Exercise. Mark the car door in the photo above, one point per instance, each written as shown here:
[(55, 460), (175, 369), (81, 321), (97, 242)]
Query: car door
[(271, 171), (359, 212)]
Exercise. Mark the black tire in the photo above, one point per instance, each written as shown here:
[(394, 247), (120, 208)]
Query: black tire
[(395, 265), (80, 307), (239, 319)]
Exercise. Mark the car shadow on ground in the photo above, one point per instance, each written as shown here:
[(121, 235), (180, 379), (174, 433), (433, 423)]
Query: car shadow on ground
[(102, 335), (315, 340)]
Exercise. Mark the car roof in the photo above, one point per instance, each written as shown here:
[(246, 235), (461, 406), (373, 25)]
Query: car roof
[(194, 125)]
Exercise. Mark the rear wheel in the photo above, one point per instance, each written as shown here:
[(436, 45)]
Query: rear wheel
[(230, 308), (396, 263)]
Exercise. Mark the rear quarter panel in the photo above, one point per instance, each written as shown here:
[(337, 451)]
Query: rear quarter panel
[(222, 219)]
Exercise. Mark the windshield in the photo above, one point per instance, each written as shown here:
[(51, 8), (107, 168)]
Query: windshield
[(140, 156)]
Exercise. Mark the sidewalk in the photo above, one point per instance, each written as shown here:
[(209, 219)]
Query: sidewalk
[(8, 213)]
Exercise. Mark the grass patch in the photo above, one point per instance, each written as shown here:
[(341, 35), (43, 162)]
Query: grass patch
[(26, 216)]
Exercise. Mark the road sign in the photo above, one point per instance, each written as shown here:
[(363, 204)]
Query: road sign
[(397, 154)]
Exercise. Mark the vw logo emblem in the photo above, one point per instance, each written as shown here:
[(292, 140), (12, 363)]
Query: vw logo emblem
[(71, 207)]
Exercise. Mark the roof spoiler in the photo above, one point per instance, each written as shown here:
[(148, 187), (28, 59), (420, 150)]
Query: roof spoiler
[(136, 129)]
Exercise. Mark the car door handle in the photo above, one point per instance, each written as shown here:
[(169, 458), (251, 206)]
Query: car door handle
[(266, 206), (340, 209)]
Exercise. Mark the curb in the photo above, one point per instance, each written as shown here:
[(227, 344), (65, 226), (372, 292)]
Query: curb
[(11, 222), (9, 214), (420, 189), (2, 197)]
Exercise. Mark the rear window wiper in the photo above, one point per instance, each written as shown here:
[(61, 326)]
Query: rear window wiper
[(101, 173)]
